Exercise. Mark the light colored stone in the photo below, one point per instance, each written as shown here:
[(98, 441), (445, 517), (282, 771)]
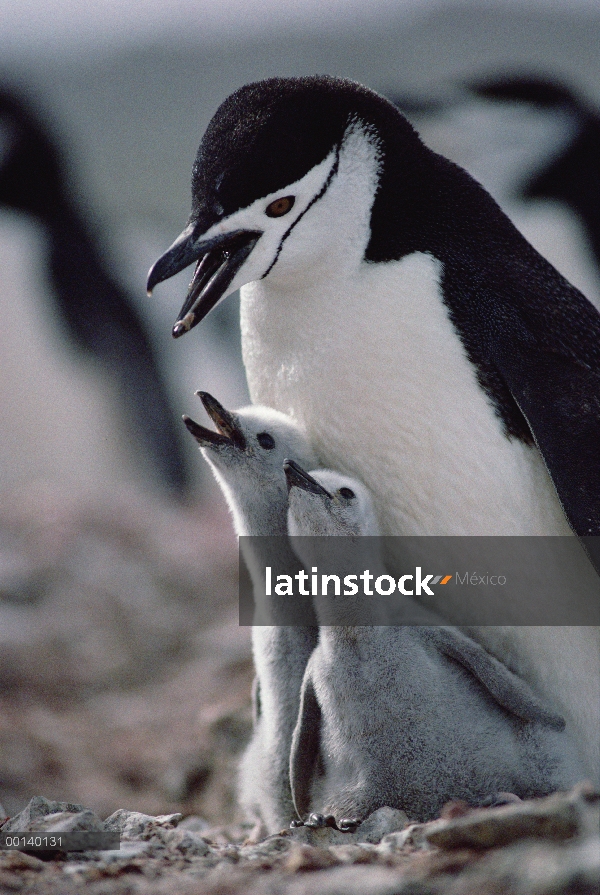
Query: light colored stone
[(67, 822), (558, 817), (135, 825), (412, 837), (33, 817)]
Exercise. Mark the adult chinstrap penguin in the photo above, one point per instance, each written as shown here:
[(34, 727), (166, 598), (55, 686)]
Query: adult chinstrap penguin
[(393, 310), (246, 454), (376, 266)]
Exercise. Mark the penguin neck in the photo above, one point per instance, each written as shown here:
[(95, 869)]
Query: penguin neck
[(342, 556)]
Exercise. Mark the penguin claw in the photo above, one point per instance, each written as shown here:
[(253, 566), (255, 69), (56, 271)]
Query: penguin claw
[(315, 821), (294, 824)]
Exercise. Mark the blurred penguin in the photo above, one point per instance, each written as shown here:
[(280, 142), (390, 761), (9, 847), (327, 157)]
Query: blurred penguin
[(97, 315)]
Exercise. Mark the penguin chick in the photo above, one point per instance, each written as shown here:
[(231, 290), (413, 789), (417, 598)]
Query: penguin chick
[(328, 504), (246, 454), (412, 716)]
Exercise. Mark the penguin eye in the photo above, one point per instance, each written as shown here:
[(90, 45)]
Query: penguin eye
[(266, 441), (280, 207), (348, 493)]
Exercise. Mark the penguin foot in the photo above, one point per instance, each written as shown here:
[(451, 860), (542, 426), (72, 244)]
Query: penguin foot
[(316, 821)]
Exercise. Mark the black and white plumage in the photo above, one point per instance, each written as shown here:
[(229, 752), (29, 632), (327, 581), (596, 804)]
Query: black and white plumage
[(417, 267), (572, 174), (408, 716), (97, 315), (394, 311), (246, 455)]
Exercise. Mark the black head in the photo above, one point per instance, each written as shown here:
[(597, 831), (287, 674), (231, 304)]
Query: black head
[(263, 139)]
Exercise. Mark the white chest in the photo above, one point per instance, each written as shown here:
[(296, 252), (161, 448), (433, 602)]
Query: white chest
[(374, 370)]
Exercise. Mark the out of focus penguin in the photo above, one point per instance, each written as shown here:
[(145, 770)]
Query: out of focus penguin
[(98, 316)]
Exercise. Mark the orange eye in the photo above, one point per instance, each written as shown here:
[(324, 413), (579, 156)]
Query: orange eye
[(280, 207)]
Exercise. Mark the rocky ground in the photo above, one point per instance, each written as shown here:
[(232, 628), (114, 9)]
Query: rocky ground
[(124, 699), (529, 848)]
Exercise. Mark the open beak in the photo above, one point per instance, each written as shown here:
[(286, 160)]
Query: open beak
[(218, 260), (228, 428), (298, 478)]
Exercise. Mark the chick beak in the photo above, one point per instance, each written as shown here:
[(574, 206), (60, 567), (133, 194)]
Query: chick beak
[(297, 478)]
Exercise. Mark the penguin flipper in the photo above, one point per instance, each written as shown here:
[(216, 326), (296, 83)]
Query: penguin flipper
[(508, 690), (305, 747), (560, 399), (256, 703)]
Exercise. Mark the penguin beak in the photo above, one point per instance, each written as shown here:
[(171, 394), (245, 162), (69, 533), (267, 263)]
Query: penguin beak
[(228, 429), (217, 262), (297, 478)]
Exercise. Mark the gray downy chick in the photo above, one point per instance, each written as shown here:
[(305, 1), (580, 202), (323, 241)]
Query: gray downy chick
[(411, 716), (246, 455)]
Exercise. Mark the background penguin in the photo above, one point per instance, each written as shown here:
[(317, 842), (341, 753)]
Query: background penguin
[(96, 313), (508, 132), (394, 311), (246, 455), (572, 174), (408, 716)]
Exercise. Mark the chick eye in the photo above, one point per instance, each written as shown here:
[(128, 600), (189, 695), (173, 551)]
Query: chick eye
[(280, 207), (266, 441), (348, 493)]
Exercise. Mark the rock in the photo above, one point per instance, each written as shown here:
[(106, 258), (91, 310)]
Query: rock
[(68, 822), (33, 817), (353, 881), (17, 860), (381, 823), (535, 867), (187, 843), (134, 825), (194, 824), (272, 845), (306, 857), (411, 837), (130, 848), (557, 818)]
